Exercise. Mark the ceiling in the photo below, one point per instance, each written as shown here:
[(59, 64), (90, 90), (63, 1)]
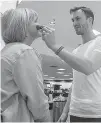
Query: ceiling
[(50, 66)]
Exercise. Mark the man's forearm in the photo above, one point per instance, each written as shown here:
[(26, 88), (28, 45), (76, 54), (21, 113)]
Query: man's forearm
[(80, 64)]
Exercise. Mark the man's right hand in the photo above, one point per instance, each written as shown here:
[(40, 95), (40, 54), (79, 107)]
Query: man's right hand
[(63, 117)]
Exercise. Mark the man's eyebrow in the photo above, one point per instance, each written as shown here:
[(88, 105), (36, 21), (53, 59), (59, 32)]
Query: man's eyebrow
[(75, 18)]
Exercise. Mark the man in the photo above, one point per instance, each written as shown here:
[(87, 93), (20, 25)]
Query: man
[(85, 99)]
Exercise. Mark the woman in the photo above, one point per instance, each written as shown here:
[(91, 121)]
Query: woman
[(22, 92)]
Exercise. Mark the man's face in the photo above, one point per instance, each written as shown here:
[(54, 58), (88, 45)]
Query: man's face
[(80, 22)]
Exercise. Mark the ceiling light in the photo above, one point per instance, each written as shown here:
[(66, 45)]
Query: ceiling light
[(65, 75), (60, 72), (61, 69), (52, 77), (45, 75)]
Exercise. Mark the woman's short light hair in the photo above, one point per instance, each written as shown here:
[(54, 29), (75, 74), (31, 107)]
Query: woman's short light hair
[(14, 23)]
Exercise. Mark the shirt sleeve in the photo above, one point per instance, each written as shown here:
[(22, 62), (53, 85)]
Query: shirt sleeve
[(93, 54), (29, 79)]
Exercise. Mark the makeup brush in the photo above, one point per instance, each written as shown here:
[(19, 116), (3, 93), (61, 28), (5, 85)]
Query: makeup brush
[(38, 27)]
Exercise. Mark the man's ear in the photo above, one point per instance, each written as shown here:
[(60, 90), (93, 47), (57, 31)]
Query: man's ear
[(91, 20)]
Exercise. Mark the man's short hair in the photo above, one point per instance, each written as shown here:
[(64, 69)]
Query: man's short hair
[(88, 12)]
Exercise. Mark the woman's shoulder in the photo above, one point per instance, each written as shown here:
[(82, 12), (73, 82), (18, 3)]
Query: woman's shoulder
[(13, 50)]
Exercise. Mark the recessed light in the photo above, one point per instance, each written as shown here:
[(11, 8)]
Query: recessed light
[(52, 77), (45, 75), (60, 72), (65, 75), (61, 69)]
